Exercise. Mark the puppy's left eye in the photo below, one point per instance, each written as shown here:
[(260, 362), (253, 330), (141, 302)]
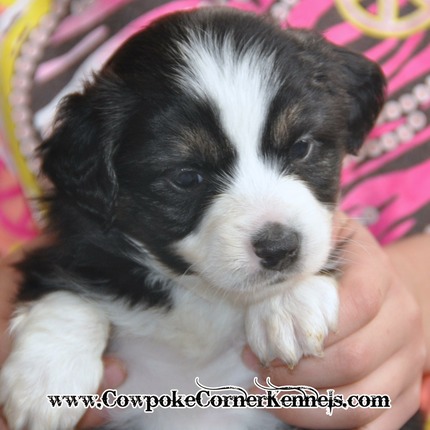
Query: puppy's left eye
[(301, 149), (187, 179)]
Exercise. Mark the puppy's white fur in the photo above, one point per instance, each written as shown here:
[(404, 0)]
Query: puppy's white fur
[(295, 322), (221, 247), (239, 86), (168, 351), (261, 192), (59, 340), (58, 344)]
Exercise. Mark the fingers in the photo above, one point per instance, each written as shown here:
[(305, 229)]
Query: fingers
[(403, 408), (114, 375), (350, 353), (365, 279), (377, 349), (402, 389), (362, 352)]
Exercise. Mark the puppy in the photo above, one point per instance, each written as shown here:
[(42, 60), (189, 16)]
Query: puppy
[(194, 182)]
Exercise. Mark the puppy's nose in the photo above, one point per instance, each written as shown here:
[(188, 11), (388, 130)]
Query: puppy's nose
[(276, 245)]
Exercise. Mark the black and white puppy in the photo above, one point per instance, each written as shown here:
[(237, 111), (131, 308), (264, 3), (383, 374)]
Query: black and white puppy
[(195, 179)]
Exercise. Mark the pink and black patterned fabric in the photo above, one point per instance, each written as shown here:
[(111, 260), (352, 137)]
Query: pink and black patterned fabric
[(386, 187)]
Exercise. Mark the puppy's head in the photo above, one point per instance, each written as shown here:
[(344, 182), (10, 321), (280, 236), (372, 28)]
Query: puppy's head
[(215, 141)]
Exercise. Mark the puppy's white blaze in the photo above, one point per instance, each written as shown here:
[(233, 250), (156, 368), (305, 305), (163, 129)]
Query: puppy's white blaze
[(237, 84), (242, 87)]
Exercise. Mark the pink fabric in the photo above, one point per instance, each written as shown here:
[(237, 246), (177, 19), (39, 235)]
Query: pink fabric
[(405, 196), (16, 222)]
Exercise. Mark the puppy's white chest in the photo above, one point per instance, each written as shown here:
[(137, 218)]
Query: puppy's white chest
[(168, 351)]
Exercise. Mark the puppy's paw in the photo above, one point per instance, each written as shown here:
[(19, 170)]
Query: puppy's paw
[(57, 347), (295, 322)]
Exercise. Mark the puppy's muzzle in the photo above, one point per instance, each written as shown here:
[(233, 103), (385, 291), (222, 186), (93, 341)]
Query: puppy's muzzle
[(277, 246)]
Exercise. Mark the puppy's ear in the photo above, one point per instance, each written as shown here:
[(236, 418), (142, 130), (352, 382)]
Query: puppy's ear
[(78, 157), (364, 84), (358, 82)]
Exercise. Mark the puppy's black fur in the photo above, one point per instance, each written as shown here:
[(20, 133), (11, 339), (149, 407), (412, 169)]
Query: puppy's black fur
[(135, 158), (116, 145)]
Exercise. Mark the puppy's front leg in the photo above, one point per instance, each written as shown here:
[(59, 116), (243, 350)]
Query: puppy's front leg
[(58, 342), (295, 322)]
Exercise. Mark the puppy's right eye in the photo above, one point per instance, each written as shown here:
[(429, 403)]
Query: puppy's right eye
[(187, 179), (301, 149)]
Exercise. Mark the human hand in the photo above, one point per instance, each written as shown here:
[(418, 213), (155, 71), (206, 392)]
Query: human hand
[(378, 348), (114, 372)]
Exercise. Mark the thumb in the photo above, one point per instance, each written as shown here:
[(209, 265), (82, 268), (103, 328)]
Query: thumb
[(113, 376), (114, 373)]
